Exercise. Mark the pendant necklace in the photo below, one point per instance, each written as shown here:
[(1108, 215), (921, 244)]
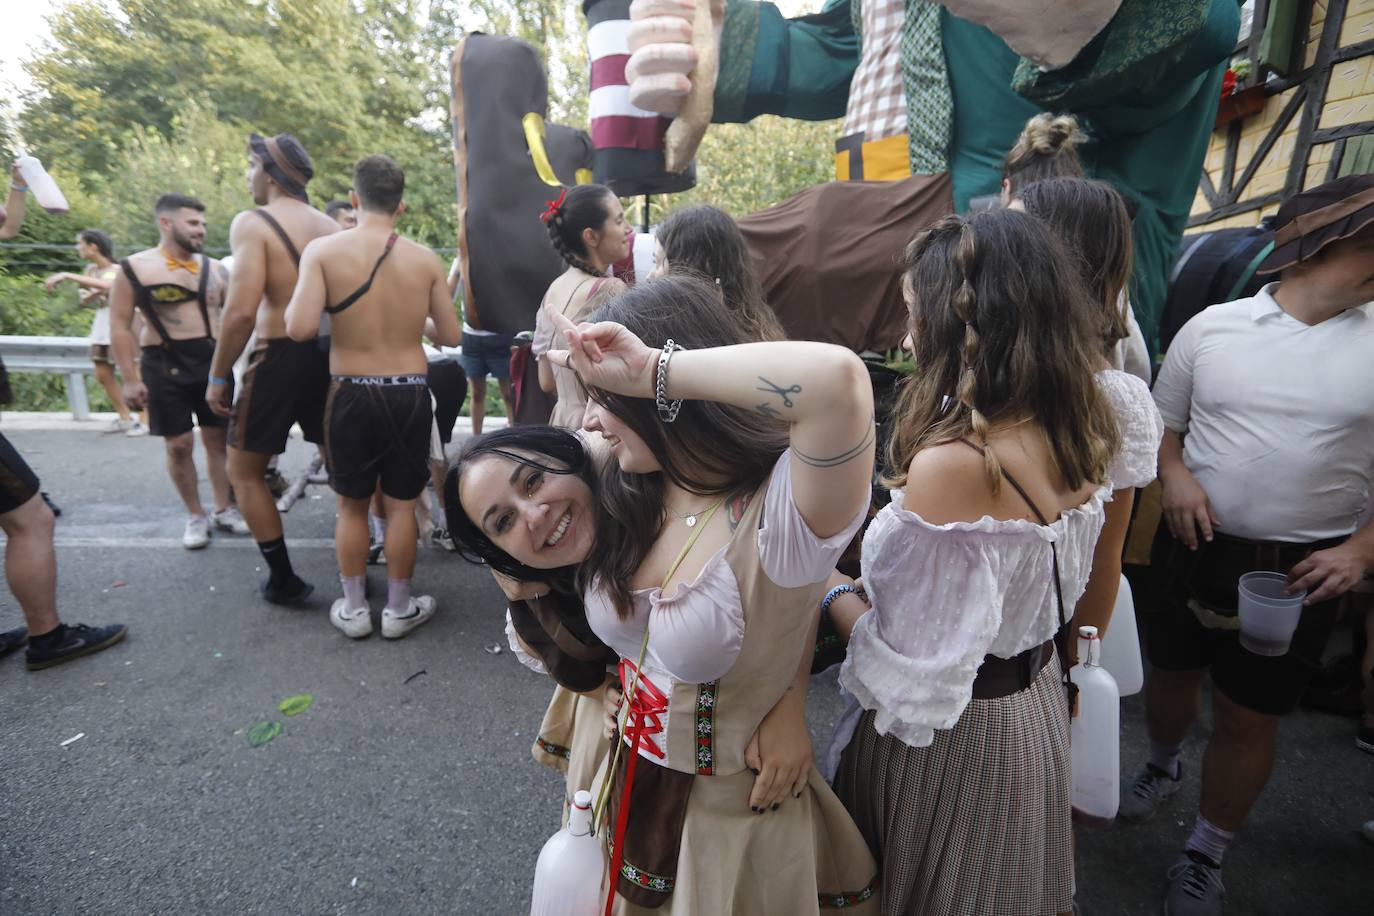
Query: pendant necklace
[(690, 518)]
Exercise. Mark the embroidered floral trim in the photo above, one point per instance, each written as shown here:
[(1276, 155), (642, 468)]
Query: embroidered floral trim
[(826, 643), (706, 728), (852, 898), (554, 750), (645, 879)]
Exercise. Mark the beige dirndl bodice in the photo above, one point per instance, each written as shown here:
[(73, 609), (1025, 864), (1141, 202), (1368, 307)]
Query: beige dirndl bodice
[(807, 855)]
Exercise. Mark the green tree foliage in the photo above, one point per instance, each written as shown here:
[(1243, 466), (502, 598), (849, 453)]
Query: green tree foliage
[(29, 310), (182, 83), (744, 168), (136, 98)]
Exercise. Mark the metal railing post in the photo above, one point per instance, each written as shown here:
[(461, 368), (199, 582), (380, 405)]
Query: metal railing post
[(76, 396)]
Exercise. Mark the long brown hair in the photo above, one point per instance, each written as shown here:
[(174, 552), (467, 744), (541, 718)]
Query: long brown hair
[(1001, 327), (1047, 148), (1089, 217), (711, 449), (706, 241)]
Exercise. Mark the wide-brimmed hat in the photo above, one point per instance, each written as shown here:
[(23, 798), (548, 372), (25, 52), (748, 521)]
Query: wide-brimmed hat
[(1308, 222)]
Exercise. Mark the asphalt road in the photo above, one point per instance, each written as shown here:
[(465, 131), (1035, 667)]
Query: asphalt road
[(407, 787)]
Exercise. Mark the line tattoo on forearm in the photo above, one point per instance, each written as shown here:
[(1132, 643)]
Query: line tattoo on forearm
[(837, 460), (774, 388)]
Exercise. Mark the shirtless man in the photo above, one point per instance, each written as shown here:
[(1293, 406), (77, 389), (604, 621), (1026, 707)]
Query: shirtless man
[(378, 289), (286, 382), (179, 292)]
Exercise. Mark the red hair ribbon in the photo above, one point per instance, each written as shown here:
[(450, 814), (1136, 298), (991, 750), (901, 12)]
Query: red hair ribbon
[(553, 206)]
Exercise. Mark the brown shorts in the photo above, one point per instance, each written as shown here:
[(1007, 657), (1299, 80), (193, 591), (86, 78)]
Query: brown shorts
[(100, 353), (286, 383)]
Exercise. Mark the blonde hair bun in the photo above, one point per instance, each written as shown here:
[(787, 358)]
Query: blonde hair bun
[(1046, 134)]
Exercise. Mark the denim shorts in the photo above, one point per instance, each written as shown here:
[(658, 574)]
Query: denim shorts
[(486, 354)]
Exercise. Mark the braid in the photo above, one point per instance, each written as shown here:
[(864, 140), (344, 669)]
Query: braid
[(556, 224), (585, 206), (966, 308)]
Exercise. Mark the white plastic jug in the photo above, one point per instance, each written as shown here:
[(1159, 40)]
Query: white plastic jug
[(1121, 644), (44, 189), (1095, 736), (570, 876)]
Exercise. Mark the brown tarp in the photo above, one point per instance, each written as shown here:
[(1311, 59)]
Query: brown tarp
[(827, 258)]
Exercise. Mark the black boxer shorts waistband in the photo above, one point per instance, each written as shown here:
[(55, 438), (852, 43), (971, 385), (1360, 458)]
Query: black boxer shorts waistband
[(382, 380)]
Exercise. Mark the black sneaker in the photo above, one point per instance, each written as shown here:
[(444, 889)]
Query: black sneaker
[(1364, 738), (77, 640), (13, 639), (292, 593)]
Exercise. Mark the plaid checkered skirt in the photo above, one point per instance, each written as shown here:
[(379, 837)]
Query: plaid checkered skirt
[(978, 822)]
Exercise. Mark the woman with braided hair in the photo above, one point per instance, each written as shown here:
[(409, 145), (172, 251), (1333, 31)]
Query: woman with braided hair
[(955, 751), (587, 227)]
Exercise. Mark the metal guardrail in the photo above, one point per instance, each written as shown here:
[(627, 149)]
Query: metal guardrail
[(69, 356)]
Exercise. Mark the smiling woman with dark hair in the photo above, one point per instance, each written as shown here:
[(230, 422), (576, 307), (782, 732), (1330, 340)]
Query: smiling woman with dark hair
[(719, 514)]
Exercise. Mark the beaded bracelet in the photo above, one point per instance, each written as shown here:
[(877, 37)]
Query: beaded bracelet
[(216, 380), (21, 188), (834, 593), (667, 410)]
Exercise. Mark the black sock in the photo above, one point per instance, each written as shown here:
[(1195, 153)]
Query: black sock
[(51, 639), (278, 561)]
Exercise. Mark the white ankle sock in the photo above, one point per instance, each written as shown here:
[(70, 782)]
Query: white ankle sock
[(1209, 839)]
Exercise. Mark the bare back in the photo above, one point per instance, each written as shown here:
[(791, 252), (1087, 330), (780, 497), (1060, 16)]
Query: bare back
[(279, 264), (575, 293), (379, 332)]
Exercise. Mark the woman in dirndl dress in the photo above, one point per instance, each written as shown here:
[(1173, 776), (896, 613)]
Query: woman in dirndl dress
[(723, 521), (955, 754)]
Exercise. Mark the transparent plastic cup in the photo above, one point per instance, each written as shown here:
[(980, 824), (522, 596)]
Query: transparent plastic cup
[(1268, 615)]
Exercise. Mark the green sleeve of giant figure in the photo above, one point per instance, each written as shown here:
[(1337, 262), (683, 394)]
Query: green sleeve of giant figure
[(796, 68)]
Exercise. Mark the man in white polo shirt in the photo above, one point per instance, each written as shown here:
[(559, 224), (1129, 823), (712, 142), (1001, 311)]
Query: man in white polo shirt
[(1266, 464)]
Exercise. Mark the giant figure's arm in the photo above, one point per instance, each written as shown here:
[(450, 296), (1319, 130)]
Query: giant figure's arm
[(796, 68)]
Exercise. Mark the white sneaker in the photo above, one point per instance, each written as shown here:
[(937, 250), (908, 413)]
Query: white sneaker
[(355, 623), (136, 429), (395, 625), (197, 533), (119, 426), (231, 520)]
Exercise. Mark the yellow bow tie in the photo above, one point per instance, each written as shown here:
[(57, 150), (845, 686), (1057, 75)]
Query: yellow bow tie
[(191, 266)]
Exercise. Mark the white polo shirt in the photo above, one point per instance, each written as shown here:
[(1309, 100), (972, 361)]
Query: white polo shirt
[(1279, 416)]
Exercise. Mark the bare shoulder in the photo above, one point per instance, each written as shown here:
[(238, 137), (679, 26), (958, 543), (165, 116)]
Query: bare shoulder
[(419, 254), (948, 483)]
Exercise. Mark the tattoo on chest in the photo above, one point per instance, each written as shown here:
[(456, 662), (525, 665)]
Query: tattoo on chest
[(736, 506)]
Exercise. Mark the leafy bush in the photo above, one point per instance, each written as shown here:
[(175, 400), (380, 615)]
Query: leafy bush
[(26, 309)]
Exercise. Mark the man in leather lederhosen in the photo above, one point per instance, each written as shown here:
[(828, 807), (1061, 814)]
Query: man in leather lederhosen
[(286, 381), (179, 292)]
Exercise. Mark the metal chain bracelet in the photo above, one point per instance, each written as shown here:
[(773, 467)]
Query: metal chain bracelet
[(667, 410)]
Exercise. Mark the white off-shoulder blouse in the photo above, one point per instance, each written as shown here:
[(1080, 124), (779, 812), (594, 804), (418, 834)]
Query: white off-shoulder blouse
[(945, 596)]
